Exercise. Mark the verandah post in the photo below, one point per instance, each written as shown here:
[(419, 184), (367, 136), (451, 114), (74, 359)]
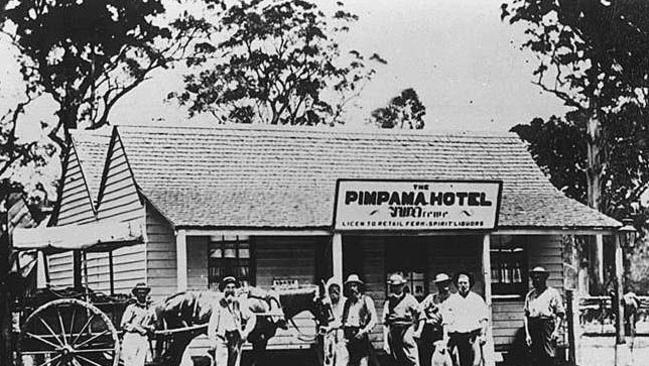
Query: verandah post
[(488, 348), (181, 260), (337, 256)]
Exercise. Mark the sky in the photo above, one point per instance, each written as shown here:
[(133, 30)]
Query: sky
[(465, 64)]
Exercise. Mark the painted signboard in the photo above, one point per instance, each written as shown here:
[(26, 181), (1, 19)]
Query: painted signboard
[(375, 205)]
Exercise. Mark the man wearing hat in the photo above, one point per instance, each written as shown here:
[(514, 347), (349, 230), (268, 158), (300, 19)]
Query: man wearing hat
[(433, 312), (358, 319), (230, 324), (135, 324), (544, 314), (400, 316), (467, 322)]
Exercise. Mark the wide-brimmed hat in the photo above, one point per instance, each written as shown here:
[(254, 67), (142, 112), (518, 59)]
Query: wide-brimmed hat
[(540, 271), (141, 287), (353, 278), (226, 280), (396, 279), (442, 277)]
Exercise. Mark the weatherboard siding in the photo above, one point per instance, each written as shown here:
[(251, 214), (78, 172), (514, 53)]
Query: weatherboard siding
[(118, 197), (288, 258), (543, 250), (160, 255), (75, 207)]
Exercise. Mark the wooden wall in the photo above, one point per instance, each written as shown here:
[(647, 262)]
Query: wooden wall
[(76, 206), (160, 255), (118, 201), (543, 250)]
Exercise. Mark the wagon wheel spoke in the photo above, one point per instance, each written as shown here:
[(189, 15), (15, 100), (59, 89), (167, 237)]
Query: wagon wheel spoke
[(58, 313), (55, 346), (50, 361), (96, 350), (74, 313), (91, 339), (83, 329), (88, 360), (50, 330)]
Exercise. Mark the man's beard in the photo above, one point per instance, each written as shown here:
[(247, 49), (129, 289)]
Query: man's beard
[(229, 296)]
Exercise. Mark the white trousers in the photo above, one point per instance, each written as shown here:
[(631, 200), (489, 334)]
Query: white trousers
[(134, 349)]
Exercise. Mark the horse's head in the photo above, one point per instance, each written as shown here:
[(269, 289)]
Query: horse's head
[(311, 299)]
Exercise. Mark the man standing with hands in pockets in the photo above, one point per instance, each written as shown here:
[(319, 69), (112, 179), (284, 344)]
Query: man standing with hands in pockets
[(544, 314)]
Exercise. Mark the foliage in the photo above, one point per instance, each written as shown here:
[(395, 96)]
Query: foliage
[(594, 56), (89, 54), (274, 62), (403, 111)]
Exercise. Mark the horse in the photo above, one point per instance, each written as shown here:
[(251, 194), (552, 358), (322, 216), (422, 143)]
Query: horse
[(183, 316)]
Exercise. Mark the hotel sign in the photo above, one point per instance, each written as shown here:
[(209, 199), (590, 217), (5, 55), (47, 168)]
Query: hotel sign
[(399, 205)]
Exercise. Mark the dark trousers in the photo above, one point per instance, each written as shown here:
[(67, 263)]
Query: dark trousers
[(358, 349), (426, 345), (468, 351), (403, 348), (543, 350)]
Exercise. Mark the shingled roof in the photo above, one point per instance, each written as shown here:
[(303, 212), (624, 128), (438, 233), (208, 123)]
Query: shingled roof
[(91, 148), (271, 178)]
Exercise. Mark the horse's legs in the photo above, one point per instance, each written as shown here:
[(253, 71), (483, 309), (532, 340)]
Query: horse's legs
[(258, 352)]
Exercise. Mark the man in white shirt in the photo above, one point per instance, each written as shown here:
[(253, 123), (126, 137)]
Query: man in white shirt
[(544, 313), (230, 324), (467, 323)]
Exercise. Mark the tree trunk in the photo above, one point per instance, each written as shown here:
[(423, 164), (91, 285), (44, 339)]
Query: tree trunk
[(594, 155)]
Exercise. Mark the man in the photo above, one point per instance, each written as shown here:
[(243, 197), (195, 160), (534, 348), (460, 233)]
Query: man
[(335, 349), (358, 319), (544, 314), (230, 324), (135, 324), (433, 311), (467, 323), (400, 315)]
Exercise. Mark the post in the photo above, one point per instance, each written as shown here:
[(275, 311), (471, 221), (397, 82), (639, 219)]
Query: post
[(181, 260), (570, 315), (622, 352), (488, 349), (337, 256), (599, 258), (76, 269), (111, 273)]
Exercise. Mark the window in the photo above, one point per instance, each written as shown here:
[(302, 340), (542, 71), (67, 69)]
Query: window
[(408, 258), (229, 256), (508, 265)]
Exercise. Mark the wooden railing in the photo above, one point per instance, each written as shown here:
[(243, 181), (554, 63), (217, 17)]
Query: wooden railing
[(597, 316)]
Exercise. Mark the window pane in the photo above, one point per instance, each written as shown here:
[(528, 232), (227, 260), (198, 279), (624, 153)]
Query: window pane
[(216, 253), (230, 253), (244, 253)]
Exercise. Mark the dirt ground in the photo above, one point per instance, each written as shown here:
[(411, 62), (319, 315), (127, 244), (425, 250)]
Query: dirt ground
[(600, 351)]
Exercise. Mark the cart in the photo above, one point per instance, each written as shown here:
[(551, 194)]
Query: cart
[(72, 327)]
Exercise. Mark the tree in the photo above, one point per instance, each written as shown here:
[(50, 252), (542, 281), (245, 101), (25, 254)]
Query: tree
[(87, 55), (593, 55), (403, 111), (275, 62)]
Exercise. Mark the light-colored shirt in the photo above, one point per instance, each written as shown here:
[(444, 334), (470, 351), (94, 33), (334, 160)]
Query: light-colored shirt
[(547, 304), (402, 312), (434, 309), (227, 316), (337, 309), (135, 315), (465, 312), (360, 313)]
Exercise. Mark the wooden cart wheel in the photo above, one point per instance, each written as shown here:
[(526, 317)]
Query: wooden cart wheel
[(68, 332)]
